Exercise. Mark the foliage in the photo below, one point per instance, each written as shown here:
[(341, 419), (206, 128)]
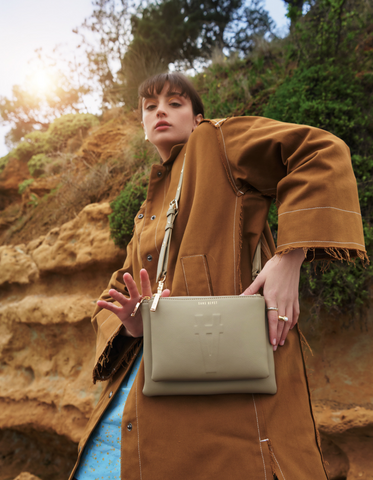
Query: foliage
[(254, 22), (22, 186), (127, 203), (3, 161), (235, 86), (34, 200), (33, 143), (66, 127), (109, 34), (125, 207), (26, 109), (331, 89), (56, 137), (38, 163), (125, 46)]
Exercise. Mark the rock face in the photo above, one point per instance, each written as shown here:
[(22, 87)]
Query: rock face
[(13, 174), (48, 290), (340, 374)]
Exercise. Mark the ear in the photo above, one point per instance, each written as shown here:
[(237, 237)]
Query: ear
[(197, 120)]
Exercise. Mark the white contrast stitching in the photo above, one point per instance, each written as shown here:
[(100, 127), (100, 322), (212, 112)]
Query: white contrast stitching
[(205, 267), (274, 456), (226, 157), (207, 277), (318, 208), (220, 121), (138, 430), (234, 248), (320, 241), (186, 283), (260, 445)]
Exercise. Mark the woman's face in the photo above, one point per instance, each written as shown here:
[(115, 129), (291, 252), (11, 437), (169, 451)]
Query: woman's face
[(168, 120)]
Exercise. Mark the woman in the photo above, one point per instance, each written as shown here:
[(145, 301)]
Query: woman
[(233, 169)]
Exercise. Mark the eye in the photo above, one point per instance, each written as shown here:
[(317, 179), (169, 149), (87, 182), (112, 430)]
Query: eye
[(175, 104), (150, 107)]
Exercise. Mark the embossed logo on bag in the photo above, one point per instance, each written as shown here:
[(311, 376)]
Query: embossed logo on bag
[(208, 328)]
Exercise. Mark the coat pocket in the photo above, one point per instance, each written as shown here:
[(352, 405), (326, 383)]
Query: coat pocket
[(197, 275)]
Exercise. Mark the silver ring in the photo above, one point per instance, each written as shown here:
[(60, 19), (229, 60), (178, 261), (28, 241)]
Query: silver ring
[(272, 308), (283, 317)]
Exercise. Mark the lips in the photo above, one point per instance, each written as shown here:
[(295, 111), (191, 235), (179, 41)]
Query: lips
[(162, 125)]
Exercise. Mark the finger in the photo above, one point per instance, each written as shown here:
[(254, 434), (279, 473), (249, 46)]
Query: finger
[(272, 316), (166, 293), (281, 323), (286, 327), (108, 306), (131, 286), (146, 288), (255, 286), (119, 297)]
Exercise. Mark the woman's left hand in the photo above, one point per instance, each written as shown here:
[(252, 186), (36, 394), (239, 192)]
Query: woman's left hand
[(280, 282)]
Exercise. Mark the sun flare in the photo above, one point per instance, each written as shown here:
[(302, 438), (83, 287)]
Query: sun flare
[(40, 81)]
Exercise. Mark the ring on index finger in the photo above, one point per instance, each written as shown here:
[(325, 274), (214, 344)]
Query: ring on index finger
[(283, 317)]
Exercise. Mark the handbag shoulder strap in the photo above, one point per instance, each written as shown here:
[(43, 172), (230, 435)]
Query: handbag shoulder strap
[(165, 248), (172, 211)]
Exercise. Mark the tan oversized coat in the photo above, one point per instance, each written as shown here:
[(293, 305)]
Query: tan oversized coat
[(234, 167)]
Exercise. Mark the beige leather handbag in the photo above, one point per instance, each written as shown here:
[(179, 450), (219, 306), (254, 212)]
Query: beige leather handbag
[(205, 345)]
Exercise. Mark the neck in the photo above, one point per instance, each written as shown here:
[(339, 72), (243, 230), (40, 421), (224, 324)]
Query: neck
[(164, 153)]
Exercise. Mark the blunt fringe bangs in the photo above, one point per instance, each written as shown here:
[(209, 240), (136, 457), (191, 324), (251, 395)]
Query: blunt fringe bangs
[(177, 82)]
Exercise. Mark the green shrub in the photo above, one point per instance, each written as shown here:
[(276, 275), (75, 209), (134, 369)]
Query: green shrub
[(331, 89), (22, 186), (34, 143), (38, 163), (66, 127), (235, 86), (56, 137), (4, 161), (125, 207)]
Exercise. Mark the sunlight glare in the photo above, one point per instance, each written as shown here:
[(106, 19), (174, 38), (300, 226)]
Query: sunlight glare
[(40, 81)]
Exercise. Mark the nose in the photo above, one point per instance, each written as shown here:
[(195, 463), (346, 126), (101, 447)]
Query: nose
[(161, 110)]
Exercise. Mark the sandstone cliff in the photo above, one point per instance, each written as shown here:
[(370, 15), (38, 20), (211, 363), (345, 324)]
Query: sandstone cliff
[(48, 292)]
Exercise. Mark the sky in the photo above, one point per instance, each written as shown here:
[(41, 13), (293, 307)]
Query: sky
[(26, 25)]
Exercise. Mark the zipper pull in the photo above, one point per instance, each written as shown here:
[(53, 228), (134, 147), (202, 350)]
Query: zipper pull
[(138, 304), (157, 296)]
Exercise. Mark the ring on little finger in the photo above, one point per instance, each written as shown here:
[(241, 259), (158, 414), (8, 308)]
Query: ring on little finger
[(283, 317), (272, 308)]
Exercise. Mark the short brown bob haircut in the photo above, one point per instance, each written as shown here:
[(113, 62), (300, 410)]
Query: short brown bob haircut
[(177, 82)]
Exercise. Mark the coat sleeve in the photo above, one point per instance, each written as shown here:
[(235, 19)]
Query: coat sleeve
[(309, 172), (113, 349)]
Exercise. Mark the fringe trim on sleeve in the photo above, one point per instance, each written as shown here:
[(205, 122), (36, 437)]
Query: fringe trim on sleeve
[(329, 254), (115, 354)]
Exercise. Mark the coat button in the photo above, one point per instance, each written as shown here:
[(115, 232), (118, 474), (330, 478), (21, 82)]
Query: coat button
[(140, 215), (129, 427), (152, 217), (150, 258), (110, 394), (159, 174)]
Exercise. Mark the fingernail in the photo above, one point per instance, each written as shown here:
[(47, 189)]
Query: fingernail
[(275, 348), (273, 342), (282, 342)]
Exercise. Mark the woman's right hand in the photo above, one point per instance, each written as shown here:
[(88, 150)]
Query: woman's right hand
[(133, 325)]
